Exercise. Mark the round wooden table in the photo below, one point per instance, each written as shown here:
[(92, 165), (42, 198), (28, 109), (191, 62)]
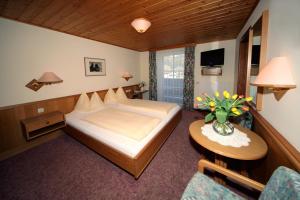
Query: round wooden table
[(256, 149)]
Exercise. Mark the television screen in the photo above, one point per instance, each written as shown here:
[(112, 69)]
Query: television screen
[(212, 58), (255, 55)]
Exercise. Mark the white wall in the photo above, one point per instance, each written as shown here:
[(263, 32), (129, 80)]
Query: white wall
[(27, 51), (210, 84), (283, 40), (144, 71)]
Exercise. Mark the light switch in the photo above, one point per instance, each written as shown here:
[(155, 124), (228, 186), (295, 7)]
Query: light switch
[(41, 110)]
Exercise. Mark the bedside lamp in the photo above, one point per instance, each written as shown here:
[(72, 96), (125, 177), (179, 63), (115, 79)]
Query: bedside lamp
[(127, 76), (276, 76), (49, 78), (46, 79)]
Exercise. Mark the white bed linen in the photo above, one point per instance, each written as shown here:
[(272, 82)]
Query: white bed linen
[(142, 110), (121, 143)]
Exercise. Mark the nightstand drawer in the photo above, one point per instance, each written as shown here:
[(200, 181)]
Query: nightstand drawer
[(41, 123)]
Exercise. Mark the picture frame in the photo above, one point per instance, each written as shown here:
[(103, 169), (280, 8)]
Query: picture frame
[(94, 66)]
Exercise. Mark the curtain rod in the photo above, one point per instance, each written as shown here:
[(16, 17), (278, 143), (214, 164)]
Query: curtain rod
[(173, 46)]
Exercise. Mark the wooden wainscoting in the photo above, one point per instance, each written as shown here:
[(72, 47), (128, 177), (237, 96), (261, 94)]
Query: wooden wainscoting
[(280, 151), (12, 140)]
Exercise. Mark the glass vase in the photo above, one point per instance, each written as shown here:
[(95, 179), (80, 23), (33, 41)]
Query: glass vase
[(225, 128)]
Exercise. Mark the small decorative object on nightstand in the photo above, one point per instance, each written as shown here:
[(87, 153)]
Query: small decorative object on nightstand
[(36, 126)]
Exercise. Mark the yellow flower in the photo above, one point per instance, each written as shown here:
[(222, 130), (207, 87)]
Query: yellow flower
[(237, 112), (234, 97), (249, 99), (233, 109), (198, 98), (226, 94), (212, 104), (217, 94)]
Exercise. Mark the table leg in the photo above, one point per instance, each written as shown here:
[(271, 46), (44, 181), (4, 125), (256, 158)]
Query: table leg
[(219, 160)]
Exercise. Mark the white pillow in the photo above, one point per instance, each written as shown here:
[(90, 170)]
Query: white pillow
[(121, 94), (96, 102), (83, 103), (110, 97)]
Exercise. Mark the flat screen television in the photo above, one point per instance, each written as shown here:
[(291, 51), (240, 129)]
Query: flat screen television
[(255, 55), (212, 58)]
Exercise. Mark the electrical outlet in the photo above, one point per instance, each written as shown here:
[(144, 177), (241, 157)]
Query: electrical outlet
[(41, 110)]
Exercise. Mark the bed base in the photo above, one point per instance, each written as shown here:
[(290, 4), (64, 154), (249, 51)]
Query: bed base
[(134, 166)]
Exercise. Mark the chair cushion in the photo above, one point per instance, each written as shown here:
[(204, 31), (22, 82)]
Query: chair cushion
[(283, 184), (202, 187)]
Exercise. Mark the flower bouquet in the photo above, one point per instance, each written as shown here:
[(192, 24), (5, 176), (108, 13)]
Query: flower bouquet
[(223, 108)]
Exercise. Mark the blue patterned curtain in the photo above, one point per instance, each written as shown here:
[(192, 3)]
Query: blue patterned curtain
[(188, 88), (152, 76)]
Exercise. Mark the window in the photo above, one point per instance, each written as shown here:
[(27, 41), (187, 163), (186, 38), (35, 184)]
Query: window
[(170, 73)]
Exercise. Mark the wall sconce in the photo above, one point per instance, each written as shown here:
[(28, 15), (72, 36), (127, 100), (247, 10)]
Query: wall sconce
[(127, 76), (276, 76), (46, 79)]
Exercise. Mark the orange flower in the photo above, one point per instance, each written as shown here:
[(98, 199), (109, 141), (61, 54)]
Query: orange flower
[(245, 108)]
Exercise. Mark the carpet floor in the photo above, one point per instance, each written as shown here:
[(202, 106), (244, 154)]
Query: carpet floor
[(65, 169)]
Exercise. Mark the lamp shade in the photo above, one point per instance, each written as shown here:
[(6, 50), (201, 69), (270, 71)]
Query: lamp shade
[(49, 77), (141, 24), (127, 76), (276, 74)]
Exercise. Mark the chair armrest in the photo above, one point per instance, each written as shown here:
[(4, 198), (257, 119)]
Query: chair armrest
[(233, 175)]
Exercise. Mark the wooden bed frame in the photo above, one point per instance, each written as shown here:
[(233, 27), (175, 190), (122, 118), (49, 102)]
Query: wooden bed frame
[(134, 166)]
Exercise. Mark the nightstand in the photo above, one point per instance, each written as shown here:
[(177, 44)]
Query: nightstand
[(37, 126), (138, 94)]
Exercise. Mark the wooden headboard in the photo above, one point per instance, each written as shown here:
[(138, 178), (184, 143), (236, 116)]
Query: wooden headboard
[(280, 151), (12, 140)]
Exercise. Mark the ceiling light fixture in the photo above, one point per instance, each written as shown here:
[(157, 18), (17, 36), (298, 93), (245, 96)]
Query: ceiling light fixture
[(141, 24)]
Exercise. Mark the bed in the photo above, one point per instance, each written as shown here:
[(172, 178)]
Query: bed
[(155, 108), (128, 153)]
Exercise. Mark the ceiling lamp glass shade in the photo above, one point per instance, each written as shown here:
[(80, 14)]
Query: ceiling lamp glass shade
[(141, 24), (276, 74), (49, 77)]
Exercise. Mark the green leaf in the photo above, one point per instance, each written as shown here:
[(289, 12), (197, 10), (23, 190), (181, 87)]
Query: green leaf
[(221, 116), (209, 117)]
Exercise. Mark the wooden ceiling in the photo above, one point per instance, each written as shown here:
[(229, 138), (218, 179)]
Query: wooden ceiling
[(174, 22)]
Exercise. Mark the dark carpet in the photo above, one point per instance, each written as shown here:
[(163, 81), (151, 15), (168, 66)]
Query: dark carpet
[(65, 169)]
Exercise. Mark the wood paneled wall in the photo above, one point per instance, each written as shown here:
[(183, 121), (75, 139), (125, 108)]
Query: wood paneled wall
[(12, 140), (280, 151)]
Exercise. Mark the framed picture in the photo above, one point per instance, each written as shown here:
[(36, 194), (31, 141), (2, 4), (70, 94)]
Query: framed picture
[(94, 67)]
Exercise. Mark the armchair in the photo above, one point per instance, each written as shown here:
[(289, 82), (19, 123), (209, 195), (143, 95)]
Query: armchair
[(283, 184)]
